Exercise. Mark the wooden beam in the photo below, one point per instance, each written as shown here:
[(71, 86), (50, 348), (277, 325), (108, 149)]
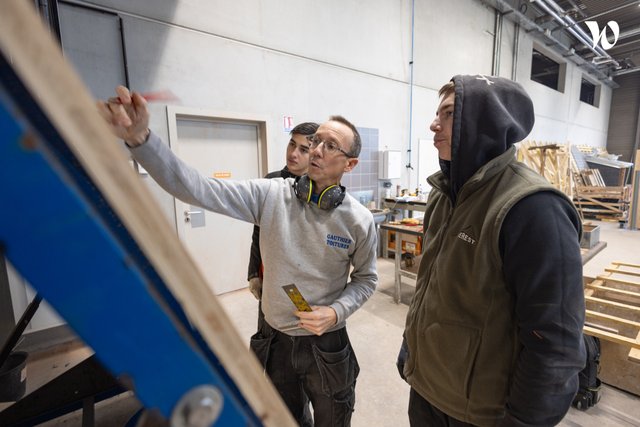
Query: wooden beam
[(620, 281), (628, 273), (631, 308), (618, 339), (626, 264), (607, 206), (38, 61), (615, 291), (616, 319)]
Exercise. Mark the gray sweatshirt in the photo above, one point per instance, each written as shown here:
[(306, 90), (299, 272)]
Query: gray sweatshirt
[(300, 243)]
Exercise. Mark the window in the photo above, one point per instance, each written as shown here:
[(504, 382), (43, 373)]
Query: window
[(545, 70), (589, 92)]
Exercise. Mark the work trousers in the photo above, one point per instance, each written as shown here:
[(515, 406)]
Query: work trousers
[(320, 370), (424, 414)]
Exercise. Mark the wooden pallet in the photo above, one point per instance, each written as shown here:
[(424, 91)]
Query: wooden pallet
[(603, 202), (613, 315)]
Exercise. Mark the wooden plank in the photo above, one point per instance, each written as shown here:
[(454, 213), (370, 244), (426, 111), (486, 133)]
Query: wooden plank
[(628, 273), (616, 319), (615, 291), (607, 206), (602, 190), (625, 264), (631, 308), (620, 281), (38, 61), (618, 339)]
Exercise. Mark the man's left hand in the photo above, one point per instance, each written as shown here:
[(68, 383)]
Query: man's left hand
[(318, 320)]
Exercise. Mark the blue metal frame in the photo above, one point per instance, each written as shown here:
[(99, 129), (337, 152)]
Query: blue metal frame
[(63, 237)]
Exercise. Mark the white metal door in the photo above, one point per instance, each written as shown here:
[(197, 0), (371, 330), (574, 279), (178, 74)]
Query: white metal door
[(219, 244)]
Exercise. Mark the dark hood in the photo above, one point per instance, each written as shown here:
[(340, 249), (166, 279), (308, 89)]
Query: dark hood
[(490, 115)]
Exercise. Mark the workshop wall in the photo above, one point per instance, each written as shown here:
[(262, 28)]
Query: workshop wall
[(560, 116), (309, 59)]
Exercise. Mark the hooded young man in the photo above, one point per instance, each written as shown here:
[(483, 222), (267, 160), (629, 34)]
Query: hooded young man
[(494, 331)]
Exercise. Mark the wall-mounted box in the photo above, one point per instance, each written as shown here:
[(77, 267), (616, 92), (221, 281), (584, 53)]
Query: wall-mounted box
[(389, 164)]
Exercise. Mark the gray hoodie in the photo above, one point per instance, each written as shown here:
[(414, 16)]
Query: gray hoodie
[(300, 243)]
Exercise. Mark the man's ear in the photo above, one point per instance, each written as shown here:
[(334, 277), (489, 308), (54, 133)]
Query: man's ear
[(351, 163)]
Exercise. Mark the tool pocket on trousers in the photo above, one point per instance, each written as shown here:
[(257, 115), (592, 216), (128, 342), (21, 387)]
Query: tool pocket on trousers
[(338, 370), (261, 346)]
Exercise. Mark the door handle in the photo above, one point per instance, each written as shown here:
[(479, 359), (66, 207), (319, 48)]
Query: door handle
[(187, 215), (194, 216)]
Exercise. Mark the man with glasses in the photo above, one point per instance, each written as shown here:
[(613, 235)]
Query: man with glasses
[(311, 234)]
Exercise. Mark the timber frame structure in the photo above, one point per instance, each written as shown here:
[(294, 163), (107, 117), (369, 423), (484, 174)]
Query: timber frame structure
[(85, 232)]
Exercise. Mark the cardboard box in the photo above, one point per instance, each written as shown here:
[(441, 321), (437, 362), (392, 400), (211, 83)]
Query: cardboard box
[(411, 244)]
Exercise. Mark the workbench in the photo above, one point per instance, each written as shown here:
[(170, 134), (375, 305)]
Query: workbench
[(401, 231), (405, 205)]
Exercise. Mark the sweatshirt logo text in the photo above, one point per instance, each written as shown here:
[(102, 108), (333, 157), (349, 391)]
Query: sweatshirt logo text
[(338, 241), (466, 238)]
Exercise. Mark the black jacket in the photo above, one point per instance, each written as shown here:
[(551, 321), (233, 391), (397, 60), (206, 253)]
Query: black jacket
[(255, 259)]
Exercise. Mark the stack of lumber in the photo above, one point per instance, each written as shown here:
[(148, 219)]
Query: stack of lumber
[(550, 160), (564, 166), (613, 315), (589, 178), (593, 198)]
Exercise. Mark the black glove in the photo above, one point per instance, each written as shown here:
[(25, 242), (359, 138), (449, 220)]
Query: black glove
[(402, 357)]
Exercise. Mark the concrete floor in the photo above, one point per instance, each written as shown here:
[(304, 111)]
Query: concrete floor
[(382, 397), (376, 334)]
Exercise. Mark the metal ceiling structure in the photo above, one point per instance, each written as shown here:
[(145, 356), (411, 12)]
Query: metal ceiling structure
[(562, 26)]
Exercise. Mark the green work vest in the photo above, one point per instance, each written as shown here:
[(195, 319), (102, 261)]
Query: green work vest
[(461, 327)]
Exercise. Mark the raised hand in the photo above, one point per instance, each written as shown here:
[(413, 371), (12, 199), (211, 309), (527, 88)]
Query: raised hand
[(128, 116)]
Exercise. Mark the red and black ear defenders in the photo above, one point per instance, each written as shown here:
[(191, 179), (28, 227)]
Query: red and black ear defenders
[(330, 198)]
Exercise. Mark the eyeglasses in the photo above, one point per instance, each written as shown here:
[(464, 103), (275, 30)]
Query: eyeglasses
[(327, 146)]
